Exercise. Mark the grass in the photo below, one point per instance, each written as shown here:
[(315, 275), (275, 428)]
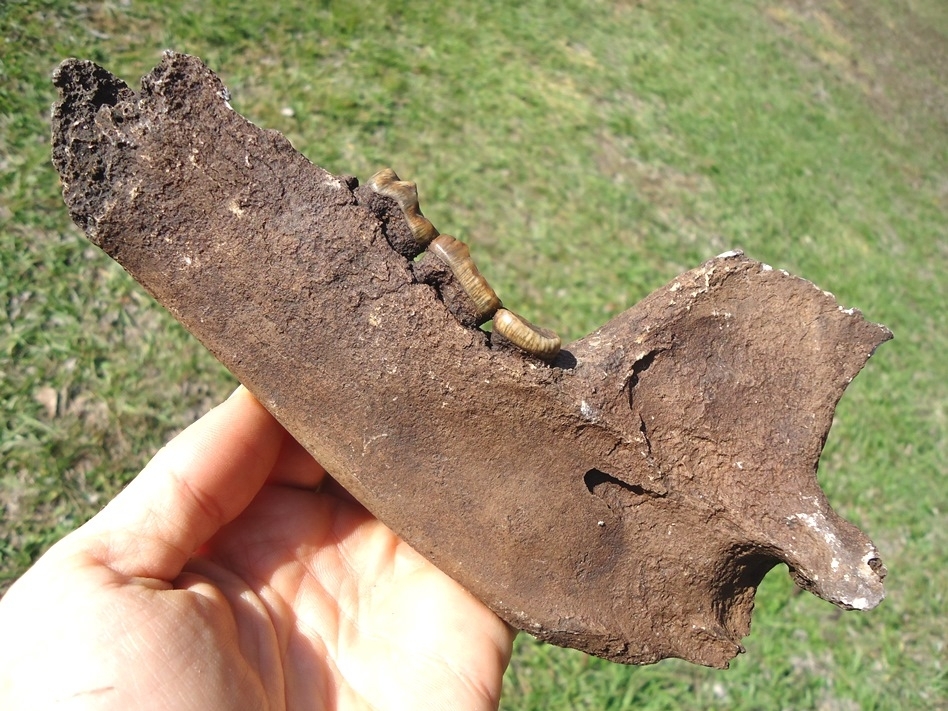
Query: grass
[(588, 152)]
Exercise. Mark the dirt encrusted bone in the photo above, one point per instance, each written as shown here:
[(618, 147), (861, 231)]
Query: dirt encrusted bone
[(625, 500)]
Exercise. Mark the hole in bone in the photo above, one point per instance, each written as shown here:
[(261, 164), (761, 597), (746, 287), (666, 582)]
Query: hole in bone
[(875, 564), (639, 367), (615, 492)]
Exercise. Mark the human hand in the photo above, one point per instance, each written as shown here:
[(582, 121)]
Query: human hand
[(220, 578)]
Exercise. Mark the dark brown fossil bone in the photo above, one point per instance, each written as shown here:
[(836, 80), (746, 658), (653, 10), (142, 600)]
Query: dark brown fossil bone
[(625, 500)]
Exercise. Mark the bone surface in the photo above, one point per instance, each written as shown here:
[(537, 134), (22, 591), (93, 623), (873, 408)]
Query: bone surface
[(625, 499)]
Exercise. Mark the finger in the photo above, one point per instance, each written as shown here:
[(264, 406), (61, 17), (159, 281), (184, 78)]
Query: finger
[(296, 467), (197, 483)]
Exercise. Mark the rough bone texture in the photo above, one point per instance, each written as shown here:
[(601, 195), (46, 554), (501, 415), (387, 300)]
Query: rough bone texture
[(626, 500)]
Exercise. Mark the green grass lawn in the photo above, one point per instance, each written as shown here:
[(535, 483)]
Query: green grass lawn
[(587, 152)]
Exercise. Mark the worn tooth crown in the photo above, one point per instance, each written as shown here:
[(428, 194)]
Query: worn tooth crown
[(457, 256), (532, 339), (405, 193)]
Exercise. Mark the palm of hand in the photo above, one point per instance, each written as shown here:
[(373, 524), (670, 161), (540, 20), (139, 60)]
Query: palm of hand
[(294, 599)]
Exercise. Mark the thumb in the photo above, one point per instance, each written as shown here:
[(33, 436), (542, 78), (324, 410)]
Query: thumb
[(197, 483)]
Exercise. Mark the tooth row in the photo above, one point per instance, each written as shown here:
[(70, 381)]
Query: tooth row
[(532, 339)]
